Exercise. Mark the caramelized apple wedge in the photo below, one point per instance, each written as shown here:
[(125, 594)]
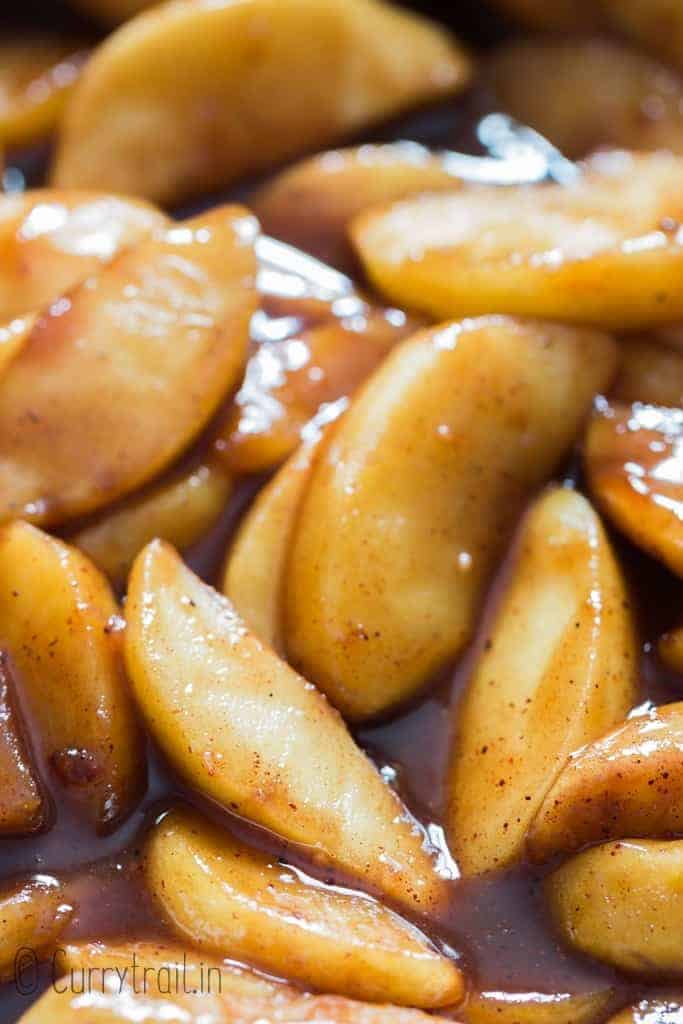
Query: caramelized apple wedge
[(34, 914), (557, 669), (377, 597), (537, 1007), (23, 808), (606, 249), (622, 903), (180, 509), (50, 240), (656, 1006), (61, 628), (121, 374), (257, 559), (221, 896), (634, 464), (242, 727), (207, 112), (312, 204), (649, 372), (626, 784)]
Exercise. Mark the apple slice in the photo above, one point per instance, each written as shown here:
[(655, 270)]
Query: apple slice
[(243, 728), (221, 896), (660, 1006), (558, 668), (13, 338), (50, 240), (415, 497), (606, 249), (180, 509), (649, 372), (121, 374), (34, 914), (670, 649), (232, 88), (537, 1007), (23, 808), (62, 630), (622, 903), (627, 784), (634, 464), (312, 204)]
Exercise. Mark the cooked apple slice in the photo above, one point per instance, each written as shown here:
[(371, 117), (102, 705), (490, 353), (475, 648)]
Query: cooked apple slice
[(588, 92), (626, 784), (622, 903), (605, 250), (33, 915), (242, 727), (377, 597), (658, 1006), (210, 110), (537, 1007), (180, 509), (312, 204), (670, 649), (50, 240), (121, 374), (13, 337), (23, 808), (649, 372), (256, 562), (62, 630), (634, 465), (37, 74), (221, 896), (558, 668)]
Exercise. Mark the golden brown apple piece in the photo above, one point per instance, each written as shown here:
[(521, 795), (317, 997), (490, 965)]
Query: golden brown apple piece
[(634, 465), (587, 93), (180, 509), (670, 649), (649, 372), (13, 337), (50, 240), (536, 1007), (62, 630), (34, 914), (415, 497), (606, 249), (239, 725), (558, 666), (312, 204), (120, 374), (37, 75), (622, 903), (658, 1006), (23, 808), (219, 895), (627, 784), (257, 559), (233, 88)]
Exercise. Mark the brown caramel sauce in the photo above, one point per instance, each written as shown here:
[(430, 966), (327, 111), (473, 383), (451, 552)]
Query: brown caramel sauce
[(496, 925)]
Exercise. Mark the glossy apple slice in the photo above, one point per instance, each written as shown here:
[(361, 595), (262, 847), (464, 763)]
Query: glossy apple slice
[(61, 629), (51, 239), (220, 895), (557, 669), (243, 728), (497, 1007), (34, 914), (23, 808), (606, 249), (211, 109), (415, 497), (658, 1006), (634, 464), (118, 376)]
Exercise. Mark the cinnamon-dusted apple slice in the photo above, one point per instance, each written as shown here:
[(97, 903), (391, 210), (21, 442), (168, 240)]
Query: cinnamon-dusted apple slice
[(558, 669), (33, 914), (51, 239), (627, 784), (588, 92), (634, 464), (37, 75), (649, 372), (256, 562), (180, 509), (221, 896), (119, 375), (208, 112), (23, 808), (242, 727), (312, 204), (606, 249), (622, 903), (537, 1007), (415, 497), (62, 631)]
